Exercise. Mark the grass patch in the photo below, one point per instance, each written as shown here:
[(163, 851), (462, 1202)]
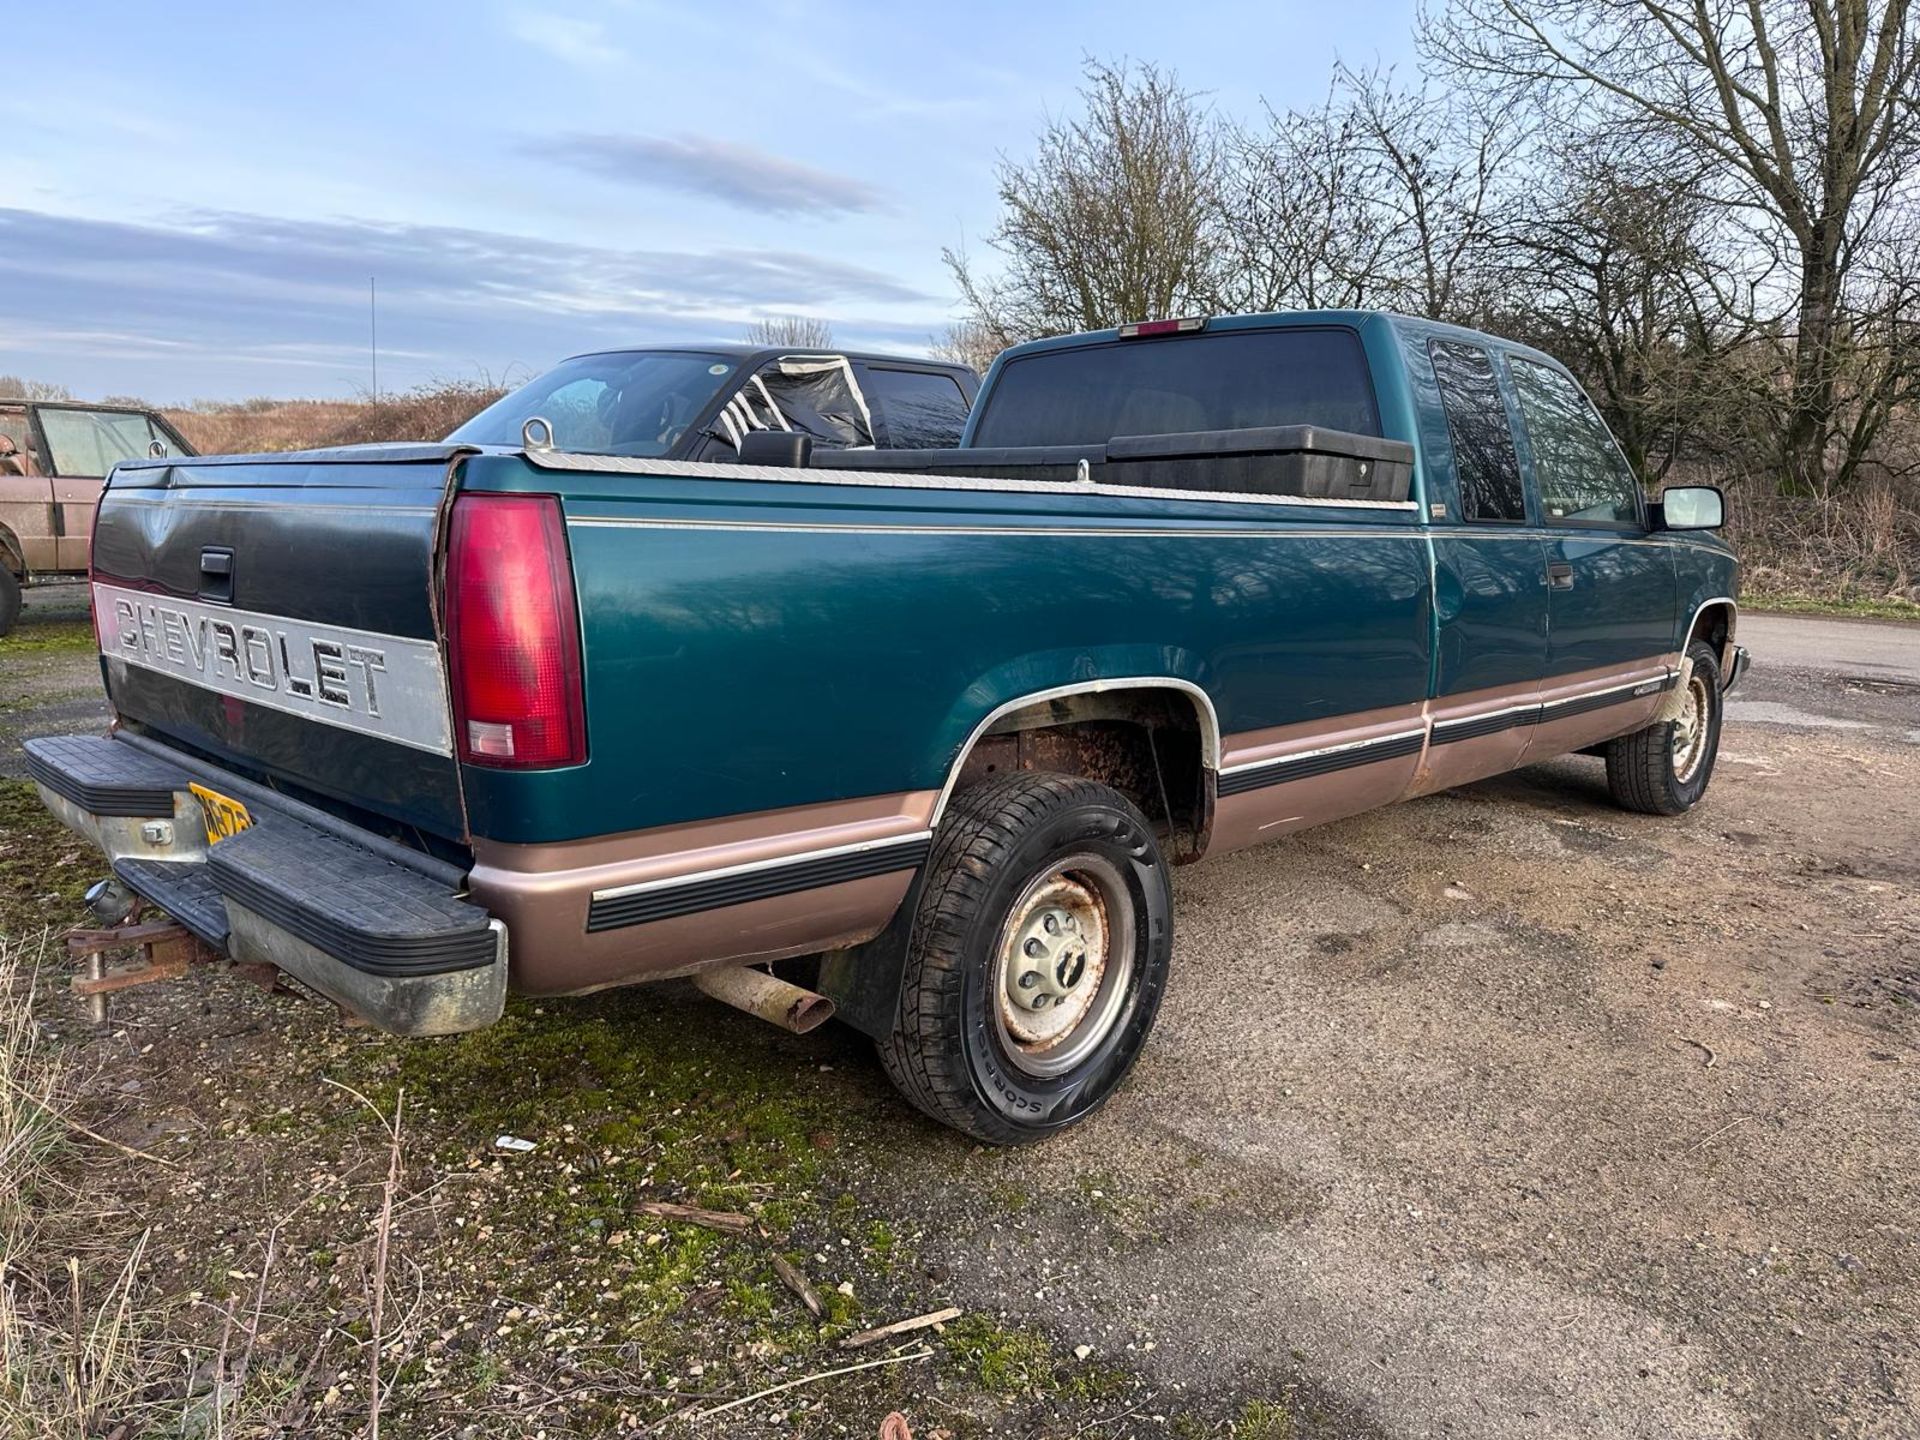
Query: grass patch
[(1264, 1420), (44, 867), (1874, 609), (44, 637), (1014, 1363)]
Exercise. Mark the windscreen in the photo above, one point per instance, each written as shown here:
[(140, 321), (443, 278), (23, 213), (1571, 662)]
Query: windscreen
[(1221, 380), (92, 442), (629, 402)]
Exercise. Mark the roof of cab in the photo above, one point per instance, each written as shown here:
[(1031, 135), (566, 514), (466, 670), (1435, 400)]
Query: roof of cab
[(758, 353), (1357, 319)]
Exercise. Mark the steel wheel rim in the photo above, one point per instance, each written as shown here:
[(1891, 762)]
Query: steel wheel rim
[(1063, 965), (1690, 730)]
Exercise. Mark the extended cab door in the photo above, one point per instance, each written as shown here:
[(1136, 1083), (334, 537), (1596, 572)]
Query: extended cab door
[(1490, 593), (1611, 589)]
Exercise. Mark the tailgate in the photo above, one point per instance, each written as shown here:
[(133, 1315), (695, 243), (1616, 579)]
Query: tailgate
[(278, 615)]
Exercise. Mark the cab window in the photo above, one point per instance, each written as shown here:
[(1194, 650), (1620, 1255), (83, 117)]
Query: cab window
[(1583, 477), (92, 442), (1484, 462), (920, 409)]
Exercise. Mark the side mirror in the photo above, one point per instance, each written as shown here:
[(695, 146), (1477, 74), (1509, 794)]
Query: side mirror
[(787, 448), (1692, 507)]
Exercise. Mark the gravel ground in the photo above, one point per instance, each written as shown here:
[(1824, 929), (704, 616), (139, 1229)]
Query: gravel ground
[(1502, 1113)]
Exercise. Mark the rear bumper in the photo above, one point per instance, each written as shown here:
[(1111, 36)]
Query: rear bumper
[(336, 909), (1741, 662)]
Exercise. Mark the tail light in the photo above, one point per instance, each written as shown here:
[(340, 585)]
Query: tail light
[(1141, 329), (514, 634)]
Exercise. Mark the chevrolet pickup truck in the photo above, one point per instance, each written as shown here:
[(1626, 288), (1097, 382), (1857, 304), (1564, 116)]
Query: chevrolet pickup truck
[(922, 728)]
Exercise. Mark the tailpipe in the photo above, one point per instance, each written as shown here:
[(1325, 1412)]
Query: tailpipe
[(767, 996)]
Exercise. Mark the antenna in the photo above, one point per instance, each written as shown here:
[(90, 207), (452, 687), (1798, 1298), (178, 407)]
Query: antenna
[(373, 337)]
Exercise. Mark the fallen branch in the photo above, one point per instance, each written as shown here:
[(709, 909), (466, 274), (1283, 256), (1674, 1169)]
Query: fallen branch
[(901, 1327), (732, 1222), (1701, 1044), (922, 1354), (1715, 1136), (791, 1277)]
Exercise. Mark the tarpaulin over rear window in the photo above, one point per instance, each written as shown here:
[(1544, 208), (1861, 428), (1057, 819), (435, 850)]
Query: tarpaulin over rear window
[(815, 395)]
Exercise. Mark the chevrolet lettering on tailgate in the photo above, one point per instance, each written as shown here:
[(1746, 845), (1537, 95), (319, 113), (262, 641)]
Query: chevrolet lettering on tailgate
[(382, 685)]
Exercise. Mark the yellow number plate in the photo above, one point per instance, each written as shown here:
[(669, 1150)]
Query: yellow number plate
[(224, 816)]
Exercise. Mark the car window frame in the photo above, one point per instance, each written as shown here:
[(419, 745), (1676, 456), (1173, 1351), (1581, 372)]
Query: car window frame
[(1641, 525), (979, 413), (883, 411), (49, 466), (1529, 498)]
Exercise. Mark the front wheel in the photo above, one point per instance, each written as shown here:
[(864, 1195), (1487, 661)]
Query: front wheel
[(9, 600), (1037, 961), (1664, 768)]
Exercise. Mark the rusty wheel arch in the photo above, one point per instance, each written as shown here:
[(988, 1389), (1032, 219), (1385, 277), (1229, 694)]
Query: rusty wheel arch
[(1155, 741)]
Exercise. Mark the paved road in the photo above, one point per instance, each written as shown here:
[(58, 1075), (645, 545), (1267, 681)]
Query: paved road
[(1878, 650), (1812, 673)]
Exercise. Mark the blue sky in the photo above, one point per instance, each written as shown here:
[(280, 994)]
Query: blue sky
[(195, 194)]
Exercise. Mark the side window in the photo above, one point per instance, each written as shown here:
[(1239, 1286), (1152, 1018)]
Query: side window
[(92, 442), (919, 409), (1483, 457), (16, 443), (1583, 476)]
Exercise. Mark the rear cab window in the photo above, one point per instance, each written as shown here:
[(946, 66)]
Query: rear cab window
[(1485, 467), (1215, 380), (916, 409), (1583, 477)]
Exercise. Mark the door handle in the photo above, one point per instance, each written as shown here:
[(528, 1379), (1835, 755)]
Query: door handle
[(1560, 575), (216, 575)]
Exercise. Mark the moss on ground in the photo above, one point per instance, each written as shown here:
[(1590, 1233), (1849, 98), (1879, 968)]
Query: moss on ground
[(1016, 1363), (34, 636), (44, 867)]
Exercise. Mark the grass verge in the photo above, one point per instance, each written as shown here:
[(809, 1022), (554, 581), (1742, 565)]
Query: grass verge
[(1786, 604)]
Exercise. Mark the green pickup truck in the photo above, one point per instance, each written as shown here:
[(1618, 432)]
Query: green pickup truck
[(910, 736)]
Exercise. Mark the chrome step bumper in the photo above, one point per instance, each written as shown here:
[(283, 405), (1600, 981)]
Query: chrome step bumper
[(346, 916)]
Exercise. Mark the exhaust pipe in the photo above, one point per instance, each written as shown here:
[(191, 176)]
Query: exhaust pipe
[(766, 996)]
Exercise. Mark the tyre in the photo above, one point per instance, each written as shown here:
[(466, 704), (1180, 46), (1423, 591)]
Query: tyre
[(1037, 959), (9, 600), (1664, 769)]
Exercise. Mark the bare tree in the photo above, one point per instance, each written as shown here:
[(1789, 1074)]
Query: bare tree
[(1296, 229), (15, 387), (1382, 195), (1603, 259), (801, 332), (969, 343), (1807, 116), (1108, 222)]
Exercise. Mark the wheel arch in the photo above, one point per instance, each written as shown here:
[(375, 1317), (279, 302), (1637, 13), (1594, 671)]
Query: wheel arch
[(13, 556), (1152, 704), (1715, 618)]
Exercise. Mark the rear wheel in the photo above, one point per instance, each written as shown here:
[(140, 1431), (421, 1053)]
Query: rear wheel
[(1664, 768), (9, 600), (1037, 961)]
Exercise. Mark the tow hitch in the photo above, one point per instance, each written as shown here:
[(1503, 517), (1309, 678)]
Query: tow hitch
[(161, 949)]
